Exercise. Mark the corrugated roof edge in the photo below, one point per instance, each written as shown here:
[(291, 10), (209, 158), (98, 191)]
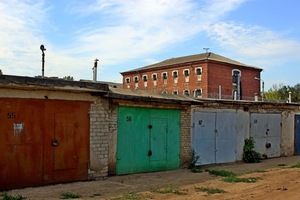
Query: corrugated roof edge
[(143, 95), (51, 82), (191, 58)]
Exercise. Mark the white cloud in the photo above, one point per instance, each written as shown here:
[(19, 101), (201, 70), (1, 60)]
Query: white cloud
[(137, 28), (254, 42)]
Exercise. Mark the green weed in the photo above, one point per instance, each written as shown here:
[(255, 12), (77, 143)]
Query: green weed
[(209, 190), (221, 172), (297, 165), (69, 195), (235, 179), (170, 190), (6, 196)]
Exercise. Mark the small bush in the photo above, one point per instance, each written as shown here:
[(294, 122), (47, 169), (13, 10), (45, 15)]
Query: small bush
[(193, 160), (249, 155)]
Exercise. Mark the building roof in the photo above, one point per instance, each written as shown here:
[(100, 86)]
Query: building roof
[(144, 95), (192, 58), (10, 81)]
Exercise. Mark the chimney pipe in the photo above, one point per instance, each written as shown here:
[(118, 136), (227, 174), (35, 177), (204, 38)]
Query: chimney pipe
[(95, 70)]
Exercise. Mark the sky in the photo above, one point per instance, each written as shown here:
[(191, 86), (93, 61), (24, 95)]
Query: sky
[(130, 34)]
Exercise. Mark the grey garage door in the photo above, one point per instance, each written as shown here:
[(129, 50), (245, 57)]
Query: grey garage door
[(214, 137), (265, 130)]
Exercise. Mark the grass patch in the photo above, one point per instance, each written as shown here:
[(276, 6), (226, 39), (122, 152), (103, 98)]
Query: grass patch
[(296, 165), (6, 196), (69, 195), (209, 190), (196, 170), (131, 196), (235, 179), (170, 190), (221, 172)]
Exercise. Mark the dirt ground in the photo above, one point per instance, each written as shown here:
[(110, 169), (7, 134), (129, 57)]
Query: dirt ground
[(276, 181)]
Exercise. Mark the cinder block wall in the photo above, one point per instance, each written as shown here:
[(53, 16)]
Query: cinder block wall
[(99, 138)]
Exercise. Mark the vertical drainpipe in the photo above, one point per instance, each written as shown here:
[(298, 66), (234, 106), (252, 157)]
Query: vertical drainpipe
[(95, 70), (239, 88), (220, 92)]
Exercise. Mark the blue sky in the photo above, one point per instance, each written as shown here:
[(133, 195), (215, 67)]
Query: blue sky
[(129, 34)]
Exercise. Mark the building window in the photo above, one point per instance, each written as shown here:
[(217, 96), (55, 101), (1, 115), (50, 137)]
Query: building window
[(175, 74), (198, 93), (175, 92), (136, 79), (186, 72), (154, 77), (145, 78), (164, 75), (186, 92), (198, 71), (236, 76), (127, 80)]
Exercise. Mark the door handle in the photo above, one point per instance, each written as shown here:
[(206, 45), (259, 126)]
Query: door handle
[(55, 142), (149, 153)]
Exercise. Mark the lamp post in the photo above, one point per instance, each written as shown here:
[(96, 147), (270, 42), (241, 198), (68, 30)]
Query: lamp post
[(263, 87), (43, 59)]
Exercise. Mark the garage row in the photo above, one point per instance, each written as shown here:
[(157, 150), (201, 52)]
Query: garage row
[(54, 134)]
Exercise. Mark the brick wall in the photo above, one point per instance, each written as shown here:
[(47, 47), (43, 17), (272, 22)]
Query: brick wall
[(214, 74), (99, 137), (185, 137)]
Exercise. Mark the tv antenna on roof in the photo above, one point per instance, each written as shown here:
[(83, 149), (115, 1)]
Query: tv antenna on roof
[(206, 49)]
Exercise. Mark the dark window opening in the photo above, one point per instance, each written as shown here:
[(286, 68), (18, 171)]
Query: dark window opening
[(136, 79), (154, 77), (198, 71), (186, 73)]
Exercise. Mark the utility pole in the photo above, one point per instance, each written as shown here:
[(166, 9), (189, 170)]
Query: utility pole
[(43, 59)]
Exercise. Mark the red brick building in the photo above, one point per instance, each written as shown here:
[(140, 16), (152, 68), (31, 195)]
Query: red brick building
[(206, 75)]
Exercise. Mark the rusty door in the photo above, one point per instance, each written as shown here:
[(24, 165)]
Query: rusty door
[(66, 141), (43, 141), (21, 143)]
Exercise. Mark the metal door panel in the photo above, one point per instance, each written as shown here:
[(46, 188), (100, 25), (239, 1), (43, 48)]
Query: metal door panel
[(158, 144), (21, 139), (266, 129), (173, 139), (297, 135), (226, 137), (133, 140), (65, 152), (67, 124), (204, 137), (141, 140)]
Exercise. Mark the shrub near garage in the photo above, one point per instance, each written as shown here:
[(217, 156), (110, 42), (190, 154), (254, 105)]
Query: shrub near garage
[(249, 154)]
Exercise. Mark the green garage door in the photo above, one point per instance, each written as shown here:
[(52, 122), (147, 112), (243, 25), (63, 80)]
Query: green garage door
[(148, 140)]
